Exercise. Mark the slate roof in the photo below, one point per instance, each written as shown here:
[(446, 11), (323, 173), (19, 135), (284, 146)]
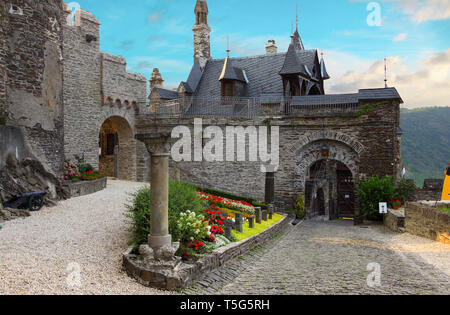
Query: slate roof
[(166, 94), (262, 73), (342, 99), (292, 64), (323, 70), (379, 94), (298, 43), (228, 71), (194, 78), (330, 99)]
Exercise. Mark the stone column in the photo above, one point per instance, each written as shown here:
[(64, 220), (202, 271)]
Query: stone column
[(158, 146)]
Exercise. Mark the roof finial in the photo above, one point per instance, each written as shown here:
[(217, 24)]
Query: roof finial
[(296, 17), (228, 46), (292, 27), (385, 73)]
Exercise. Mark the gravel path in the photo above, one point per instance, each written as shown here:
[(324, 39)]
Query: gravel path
[(38, 255)]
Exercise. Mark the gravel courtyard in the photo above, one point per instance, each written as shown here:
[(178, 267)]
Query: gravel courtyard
[(42, 254), (39, 254)]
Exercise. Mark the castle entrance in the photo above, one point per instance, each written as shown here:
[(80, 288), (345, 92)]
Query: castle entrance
[(117, 149)]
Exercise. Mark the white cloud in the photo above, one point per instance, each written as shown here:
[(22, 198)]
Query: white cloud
[(426, 83), (400, 37)]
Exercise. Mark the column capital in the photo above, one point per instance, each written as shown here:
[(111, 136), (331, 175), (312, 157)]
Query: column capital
[(156, 143)]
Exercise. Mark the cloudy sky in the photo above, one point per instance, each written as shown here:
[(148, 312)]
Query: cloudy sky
[(354, 35)]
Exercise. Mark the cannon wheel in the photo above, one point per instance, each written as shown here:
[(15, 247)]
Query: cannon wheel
[(36, 203)]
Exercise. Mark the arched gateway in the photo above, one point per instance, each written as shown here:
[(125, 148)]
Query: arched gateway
[(117, 149), (326, 171)]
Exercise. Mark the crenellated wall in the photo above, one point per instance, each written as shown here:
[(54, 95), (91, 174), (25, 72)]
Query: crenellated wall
[(98, 89)]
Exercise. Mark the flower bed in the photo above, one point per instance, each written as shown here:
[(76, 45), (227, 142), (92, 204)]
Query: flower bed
[(196, 219), (237, 205), (80, 171)]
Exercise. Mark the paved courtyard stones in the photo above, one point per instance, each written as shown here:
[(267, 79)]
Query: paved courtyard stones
[(333, 258)]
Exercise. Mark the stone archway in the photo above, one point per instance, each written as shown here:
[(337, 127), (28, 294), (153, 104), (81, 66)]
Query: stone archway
[(308, 182), (117, 149)]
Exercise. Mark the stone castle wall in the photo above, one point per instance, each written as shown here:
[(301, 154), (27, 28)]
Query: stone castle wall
[(82, 87), (431, 191), (98, 87), (427, 222), (366, 143), (31, 77)]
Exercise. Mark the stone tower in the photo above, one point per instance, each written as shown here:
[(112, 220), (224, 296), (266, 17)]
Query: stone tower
[(202, 31), (156, 79)]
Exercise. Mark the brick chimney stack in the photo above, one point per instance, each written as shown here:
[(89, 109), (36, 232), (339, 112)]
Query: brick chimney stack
[(156, 79), (271, 48)]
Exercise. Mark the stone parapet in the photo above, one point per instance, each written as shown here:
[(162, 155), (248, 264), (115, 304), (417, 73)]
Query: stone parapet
[(78, 189), (395, 221), (428, 222)]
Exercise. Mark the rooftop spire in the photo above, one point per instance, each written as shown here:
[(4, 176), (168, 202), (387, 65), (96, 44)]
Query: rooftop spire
[(385, 73), (298, 43)]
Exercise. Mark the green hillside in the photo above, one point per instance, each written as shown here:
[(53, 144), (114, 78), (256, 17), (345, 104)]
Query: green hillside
[(426, 142)]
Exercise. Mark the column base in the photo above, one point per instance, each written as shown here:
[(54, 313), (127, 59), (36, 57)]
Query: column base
[(159, 241)]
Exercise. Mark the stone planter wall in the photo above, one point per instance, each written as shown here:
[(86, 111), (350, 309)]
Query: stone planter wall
[(428, 222), (395, 221), (187, 273), (83, 188)]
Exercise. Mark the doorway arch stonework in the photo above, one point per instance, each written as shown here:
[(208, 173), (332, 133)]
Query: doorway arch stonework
[(309, 154), (119, 163)]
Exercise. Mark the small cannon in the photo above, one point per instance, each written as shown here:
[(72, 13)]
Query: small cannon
[(32, 201)]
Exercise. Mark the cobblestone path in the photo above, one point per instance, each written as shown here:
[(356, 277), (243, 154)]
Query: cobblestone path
[(333, 258)]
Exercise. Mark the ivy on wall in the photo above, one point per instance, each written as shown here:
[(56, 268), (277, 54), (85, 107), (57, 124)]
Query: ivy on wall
[(367, 108)]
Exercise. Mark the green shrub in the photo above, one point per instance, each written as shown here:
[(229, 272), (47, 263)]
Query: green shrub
[(371, 192), (404, 190), (299, 207), (83, 166), (182, 197)]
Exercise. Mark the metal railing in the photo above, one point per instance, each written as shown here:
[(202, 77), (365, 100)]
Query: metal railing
[(244, 107)]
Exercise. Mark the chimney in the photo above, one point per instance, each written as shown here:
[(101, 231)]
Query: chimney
[(156, 79), (271, 48)]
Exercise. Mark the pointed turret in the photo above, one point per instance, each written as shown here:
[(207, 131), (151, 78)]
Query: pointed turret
[(323, 69), (291, 63)]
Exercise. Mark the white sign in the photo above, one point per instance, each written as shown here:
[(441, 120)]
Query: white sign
[(383, 208)]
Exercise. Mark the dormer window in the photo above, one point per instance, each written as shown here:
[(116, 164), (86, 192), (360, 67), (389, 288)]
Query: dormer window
[(233, 80), (228, 88)]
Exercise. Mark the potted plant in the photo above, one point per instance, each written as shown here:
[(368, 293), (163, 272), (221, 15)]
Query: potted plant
[(396, 204)]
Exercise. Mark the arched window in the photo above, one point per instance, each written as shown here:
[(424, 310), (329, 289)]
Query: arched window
[(118, 103), (109, 102), (127, 104)]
